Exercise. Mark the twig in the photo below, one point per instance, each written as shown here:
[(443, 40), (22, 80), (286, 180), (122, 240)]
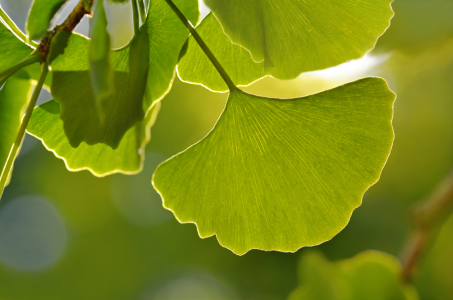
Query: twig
[(427, 218), (74, 18)]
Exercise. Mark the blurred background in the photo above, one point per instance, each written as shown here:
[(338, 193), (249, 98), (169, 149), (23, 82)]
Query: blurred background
[(70, 235)]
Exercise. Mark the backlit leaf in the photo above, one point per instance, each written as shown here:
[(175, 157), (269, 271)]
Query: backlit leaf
[(369, 275), (292, 37), (99, 159), (279, 174), (167, 35), (143, 73), (40, 16), (195, 67)]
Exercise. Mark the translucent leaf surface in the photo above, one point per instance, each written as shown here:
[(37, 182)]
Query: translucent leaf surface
[(167, 36), (195, 67), (100, 159), (368, 275), (13, 98), (282, 174), (292, 37), (40, 16), (143, 73), (71, 87), (13, 50), (101, 73)]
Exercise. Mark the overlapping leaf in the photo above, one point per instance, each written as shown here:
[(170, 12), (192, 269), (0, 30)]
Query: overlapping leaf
[(292, 37), (167, 36), (40, 16), (143, 73), (71, 87), (282, 174), (368, 275), (195, 67), (100, 159)]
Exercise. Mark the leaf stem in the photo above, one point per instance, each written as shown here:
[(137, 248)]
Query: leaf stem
[(14, 29), (20, 135), (203, 46), (135, 16), (427, 218), (141, 6), (33, 58)]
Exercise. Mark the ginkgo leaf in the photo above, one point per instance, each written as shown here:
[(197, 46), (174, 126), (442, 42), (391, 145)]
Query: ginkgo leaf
[(195, 67), (71, 87), (40, 16), (167, 36), (279, 174), (13, 51), (143, 73), (99, 53), (100, 159), (292, 37), (369, 275), (14, 96)]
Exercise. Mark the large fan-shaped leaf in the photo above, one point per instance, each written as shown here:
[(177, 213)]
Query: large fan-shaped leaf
[(297, 36), (369, 275), (71, 87), (41, 13), (195, 67), (100, 159), (282, 174), (143, 72)]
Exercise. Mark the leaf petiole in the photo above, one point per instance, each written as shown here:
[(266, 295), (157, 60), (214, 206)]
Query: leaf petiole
[(20, 135), (203, 46), (135, 16), (142, 10)]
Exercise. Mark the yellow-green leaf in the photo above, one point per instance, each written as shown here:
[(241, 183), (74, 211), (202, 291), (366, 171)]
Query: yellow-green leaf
[(195, 67), (40, 16), (292, 37), (279, 174), (100, 159)]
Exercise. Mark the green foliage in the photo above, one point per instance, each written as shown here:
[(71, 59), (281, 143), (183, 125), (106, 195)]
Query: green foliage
[(99, 53), (40, 16), (282, 174), (71, 87), (195, 66), (368, 275), (100, 159), (292, 37), (273, 174)]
